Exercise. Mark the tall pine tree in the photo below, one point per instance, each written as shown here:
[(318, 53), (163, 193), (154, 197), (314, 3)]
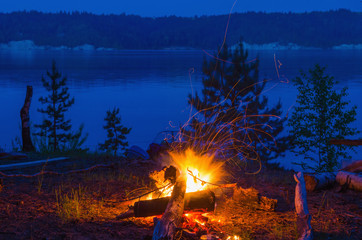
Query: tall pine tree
[(233, 117), (55, 128)]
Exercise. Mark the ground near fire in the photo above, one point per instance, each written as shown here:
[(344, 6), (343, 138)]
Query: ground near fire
[(94, 203)]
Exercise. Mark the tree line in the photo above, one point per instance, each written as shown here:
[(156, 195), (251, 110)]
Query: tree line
[(312, 29), (232, 118)]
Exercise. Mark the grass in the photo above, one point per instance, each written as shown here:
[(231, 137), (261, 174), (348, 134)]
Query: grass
[(70, 206)]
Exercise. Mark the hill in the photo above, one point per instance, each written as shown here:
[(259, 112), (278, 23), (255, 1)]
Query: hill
[(314, 29)]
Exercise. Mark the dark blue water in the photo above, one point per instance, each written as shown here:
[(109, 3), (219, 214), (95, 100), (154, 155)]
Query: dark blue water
[(149, 87)]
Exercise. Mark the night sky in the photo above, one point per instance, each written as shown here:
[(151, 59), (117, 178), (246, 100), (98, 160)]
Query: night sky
[(156, 8)]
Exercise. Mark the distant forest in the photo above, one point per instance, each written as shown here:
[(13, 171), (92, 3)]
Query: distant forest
[(314, 29)]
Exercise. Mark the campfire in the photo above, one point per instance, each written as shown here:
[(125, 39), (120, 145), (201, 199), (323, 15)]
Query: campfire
[(185, 196)]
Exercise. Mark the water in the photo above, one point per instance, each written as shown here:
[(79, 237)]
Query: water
[(149, 87)]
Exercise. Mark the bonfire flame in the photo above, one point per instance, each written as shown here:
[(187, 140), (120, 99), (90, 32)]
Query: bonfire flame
[(201, 170)]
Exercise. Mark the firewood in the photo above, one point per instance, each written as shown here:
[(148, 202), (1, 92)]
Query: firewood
[(316, 181), (166, 228), (301, 207), (351, 180), (195, 201)]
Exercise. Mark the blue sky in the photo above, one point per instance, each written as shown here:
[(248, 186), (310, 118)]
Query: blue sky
[(177, 7)]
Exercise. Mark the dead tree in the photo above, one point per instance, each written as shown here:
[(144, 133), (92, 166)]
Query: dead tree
[(25, 121), (166, 227), (301, 207)]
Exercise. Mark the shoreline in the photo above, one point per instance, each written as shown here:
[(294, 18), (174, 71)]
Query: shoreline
[(30, 45)]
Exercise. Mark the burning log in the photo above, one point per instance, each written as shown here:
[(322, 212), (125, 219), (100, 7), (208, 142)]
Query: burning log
[(350, 180), (194, 201), (301, 207), (166, 227), (202, 200)]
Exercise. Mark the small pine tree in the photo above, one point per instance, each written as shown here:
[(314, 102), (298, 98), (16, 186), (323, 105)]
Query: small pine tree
[(233, 116), (116, 133), (54, 127), (319, 116)]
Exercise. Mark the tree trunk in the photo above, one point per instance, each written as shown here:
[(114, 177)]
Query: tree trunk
[(25, 118), (171, 219), (301, 208), (315, 181), (351, 180)]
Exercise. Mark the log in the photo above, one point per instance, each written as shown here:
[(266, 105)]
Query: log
[(194, 201), (25, 119), (301, 207), (347, 142), (316, 181), (166, 227), (351, 180), (355, 167)]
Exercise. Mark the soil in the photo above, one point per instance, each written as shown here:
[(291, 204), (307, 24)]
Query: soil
[(85, 205)]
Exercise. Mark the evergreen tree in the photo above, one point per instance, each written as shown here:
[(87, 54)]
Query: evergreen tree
[(232, 115), (54, 127), (319, 116), (116, 133)]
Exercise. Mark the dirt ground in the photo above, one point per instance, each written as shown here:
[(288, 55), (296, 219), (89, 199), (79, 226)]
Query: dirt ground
[(85, 206)]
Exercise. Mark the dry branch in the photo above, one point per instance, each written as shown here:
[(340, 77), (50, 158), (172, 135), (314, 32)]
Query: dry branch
[(166, 227), (301, 208)]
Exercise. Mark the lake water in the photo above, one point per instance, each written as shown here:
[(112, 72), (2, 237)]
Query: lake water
[(149, 87)]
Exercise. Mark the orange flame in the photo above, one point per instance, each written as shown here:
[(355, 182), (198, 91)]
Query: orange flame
[(200, 169)]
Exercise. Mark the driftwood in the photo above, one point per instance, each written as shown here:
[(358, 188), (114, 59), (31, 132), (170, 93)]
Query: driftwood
[(25, 119), (355, 167), (166, 227), (301, 207), (350, 180), (316, 181)]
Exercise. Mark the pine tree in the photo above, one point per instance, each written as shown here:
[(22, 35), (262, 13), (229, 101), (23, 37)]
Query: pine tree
[(232, 115), (319, 116), (116, 133), (54, 127)]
